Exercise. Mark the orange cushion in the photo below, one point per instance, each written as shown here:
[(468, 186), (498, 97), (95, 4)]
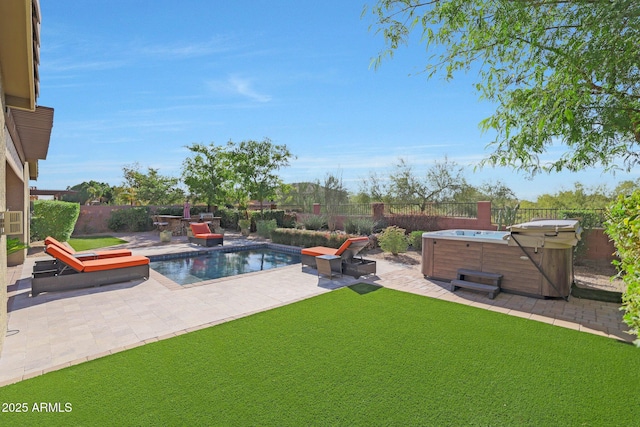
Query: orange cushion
[(114, 263), (65, 257), (319, 250), (112, 253), (199, 228), (51, 241), (348, 243), (208, 236)]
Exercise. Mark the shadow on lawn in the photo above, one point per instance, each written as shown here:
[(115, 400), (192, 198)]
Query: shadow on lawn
[(364, 288)]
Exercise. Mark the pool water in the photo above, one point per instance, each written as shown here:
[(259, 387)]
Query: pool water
[(217, 264)]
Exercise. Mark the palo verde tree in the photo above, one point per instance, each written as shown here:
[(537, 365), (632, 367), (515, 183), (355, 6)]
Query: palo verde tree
[(207, 173), (255, 164), (560, 72)]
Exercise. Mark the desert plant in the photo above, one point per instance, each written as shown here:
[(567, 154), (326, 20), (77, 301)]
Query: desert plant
[(362, 226), (315, 222), (393, 240)]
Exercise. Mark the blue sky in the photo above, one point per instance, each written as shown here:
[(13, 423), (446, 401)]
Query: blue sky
[(136, 81)]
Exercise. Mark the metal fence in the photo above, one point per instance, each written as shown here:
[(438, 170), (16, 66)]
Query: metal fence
[(455, 210), (526, 215), (458, 210)]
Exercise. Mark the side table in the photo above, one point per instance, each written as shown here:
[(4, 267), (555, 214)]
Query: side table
[(328, 265)]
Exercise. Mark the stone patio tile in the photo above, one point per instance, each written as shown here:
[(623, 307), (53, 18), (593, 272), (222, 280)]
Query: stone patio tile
[(67, 328)]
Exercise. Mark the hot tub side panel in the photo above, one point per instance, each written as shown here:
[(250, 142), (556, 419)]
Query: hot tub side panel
[(519, 275), (441, 258)]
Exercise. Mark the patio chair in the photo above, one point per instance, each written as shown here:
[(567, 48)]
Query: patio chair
[(86, 255), (203, 236), (69, 272), (158, 223), (346, 251)]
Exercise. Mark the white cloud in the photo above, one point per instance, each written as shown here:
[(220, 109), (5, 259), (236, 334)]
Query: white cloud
[(235, 85)]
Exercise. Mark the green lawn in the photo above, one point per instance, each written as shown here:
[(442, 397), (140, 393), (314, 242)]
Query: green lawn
[(81, 244), (352, 357)]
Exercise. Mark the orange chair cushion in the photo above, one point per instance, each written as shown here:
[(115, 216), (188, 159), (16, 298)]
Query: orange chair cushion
[(199, 228), (208, 236), (51, 241), (348, 243), (65, 257), (323, 250), (114, 263), (319, 250), (98, 254)]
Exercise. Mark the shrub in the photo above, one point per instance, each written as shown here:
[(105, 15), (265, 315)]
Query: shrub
[(131, 219), (315, 222), (228, 217), (413, 222), (362, 226), (265, 227), (283, 219), (53, 218), (393, 240), (623, 226), (415, 239), (307, 238)]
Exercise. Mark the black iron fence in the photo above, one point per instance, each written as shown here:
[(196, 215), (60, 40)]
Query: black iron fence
[(594, 217), (454, 210)]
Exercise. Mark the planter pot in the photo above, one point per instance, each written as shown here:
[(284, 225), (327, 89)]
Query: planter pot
[(165, 236)]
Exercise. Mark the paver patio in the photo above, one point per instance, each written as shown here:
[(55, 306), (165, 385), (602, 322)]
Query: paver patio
[(55, 330)]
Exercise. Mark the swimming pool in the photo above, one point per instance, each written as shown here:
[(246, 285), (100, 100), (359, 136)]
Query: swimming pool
[(186, 269)]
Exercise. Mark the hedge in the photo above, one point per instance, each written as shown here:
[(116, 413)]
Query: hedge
[(623, 226), (307, 239), (53, 218)]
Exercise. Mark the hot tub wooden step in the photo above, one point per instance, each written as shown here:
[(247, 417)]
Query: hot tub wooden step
[(463, 272), (493, 290)]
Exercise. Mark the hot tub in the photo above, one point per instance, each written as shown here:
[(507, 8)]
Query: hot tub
[(534, 258)]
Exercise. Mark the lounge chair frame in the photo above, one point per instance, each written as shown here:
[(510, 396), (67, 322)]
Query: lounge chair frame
[(65, 279), (204, 239), (355, 246), (65, 272)]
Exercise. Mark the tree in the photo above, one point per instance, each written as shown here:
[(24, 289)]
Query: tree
[(439, 183), (207, 174), (89, 191), (255, 164), (152, 188), (558, 71), (335, 194)]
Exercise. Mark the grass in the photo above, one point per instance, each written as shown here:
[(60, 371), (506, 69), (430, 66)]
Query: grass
[(81, 244), (357, 356)]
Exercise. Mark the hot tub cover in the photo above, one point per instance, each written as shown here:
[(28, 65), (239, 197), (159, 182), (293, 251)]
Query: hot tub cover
[(548, 233)]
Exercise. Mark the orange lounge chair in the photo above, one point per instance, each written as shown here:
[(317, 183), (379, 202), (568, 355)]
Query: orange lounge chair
[(68, 272), (86, 255), (346, 251), (203, 236)]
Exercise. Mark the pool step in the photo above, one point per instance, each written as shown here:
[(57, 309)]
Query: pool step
[(492, 288)]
